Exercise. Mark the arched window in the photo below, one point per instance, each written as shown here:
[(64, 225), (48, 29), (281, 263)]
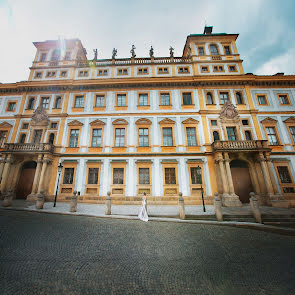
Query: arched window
[(239, 98), (22, 138), (248, 135), (215, 135), (209, 98), (57, 104), (214, 49), (51, 138), (31, 103)]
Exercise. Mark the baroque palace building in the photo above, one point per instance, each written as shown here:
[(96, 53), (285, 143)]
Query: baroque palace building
[(160, 125)]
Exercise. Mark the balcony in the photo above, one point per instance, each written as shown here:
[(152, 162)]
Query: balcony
[(28, 148), (240, 145)]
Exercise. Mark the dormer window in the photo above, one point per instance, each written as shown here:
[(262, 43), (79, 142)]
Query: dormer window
[(55, 55), (43, 57), (201, 50), (68, 55), (227, 50)]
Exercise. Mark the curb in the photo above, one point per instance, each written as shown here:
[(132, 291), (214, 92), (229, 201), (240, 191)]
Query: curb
[(246, 225)]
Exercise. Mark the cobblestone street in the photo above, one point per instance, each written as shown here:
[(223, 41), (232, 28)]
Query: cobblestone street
[(55, 254)]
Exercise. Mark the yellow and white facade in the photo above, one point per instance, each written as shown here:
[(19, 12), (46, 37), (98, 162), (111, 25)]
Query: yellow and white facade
[(134, 125)]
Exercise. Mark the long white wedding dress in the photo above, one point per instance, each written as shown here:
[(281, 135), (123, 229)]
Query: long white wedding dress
[(142, 215)]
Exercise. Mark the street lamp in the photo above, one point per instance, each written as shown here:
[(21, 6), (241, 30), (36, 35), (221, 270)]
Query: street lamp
[(200, 174), (59, 169)]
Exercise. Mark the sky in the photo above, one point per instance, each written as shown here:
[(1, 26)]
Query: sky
[(266, 42)]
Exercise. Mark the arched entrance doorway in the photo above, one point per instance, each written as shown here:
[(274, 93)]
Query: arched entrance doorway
[(241, 179), (25, 182)]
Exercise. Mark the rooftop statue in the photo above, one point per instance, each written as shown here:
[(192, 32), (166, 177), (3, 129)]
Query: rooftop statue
[(132, 51), (95, 54), (171, 51), (114, 54), (152, 52)]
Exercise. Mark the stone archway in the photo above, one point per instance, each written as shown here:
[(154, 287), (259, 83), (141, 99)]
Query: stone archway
[(241, 179), (25, 182)]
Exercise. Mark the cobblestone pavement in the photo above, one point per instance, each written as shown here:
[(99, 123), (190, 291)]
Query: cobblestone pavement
[(56, 254)]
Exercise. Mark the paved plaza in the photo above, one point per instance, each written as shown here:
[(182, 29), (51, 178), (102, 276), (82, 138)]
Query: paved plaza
[(57, 254)]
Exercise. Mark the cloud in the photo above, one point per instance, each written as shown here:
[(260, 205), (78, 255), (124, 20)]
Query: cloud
[(283, 63)]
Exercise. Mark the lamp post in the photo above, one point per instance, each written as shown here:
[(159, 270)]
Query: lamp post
[(200, 174), (59, 169)]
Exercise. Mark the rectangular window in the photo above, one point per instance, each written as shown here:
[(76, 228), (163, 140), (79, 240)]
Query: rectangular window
[(201, 50), (102, 72), (63, 74), (144, 176), (261, 99), (231, 133), (227, 50), (93, 176), (45, 102), (38, 75), (83, 73), (51, 74), (204, 69), (118, 176), (37, 136), (213, 122), (232, 68), (143, 99), (3, 136), (99, 101), (191, 136), (142, 71), (218, 69), (79, 101), (57, 104), (292, 131), (68, 175), (121, 100), (223, 97), (183, 70), (119, 137), (284, 99), (245, 122), (25, 126), (55, 55), (284, 174), (272, 136), (187, 98), (96, 138), (43, 57), (167, 136), (74, 137), (11, 107), (170, 177), (53, 125), (122, 71), (143, 137), (196, 177), (165, 99), (163, 71)]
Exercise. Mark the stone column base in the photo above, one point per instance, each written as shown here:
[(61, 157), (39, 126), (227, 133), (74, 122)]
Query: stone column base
[(32, 197), (231, 200)]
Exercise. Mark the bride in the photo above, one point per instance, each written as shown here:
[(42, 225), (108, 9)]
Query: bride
[(142, 215)]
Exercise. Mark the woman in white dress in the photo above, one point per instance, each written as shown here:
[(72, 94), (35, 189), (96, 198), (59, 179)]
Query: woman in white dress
[(142, 215)]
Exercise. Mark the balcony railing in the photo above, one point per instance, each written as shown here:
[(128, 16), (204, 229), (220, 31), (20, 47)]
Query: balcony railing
[(240, 145), (28, 148)]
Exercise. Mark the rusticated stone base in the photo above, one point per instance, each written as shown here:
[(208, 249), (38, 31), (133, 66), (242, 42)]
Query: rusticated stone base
[(231, 200)]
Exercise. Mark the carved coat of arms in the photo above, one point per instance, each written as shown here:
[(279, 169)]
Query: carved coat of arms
[(39, 116), (229, 111)]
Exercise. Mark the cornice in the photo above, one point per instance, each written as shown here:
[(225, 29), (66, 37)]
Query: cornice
[(168, 82)]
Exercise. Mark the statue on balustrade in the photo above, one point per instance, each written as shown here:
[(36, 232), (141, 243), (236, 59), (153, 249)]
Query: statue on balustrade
[(132, 51), (171, 51), (152, 52), (114, 54), (95, 54)]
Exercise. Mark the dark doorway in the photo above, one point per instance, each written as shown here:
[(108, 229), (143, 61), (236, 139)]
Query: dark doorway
[(25, 182), (241, 179)]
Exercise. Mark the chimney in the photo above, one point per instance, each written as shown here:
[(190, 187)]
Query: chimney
[(208, 30)]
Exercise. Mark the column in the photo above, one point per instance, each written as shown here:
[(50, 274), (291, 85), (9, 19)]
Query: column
[(254, 178), (179, 134), (2, 164), (156, 177), (43, 171), (264, 172), (131, 181), (183, 178), (5, 174), (105, 179), (131, 133), (108, 133), (271, 174), (80, 177), (37, 175), (222, 173), (229, 176)]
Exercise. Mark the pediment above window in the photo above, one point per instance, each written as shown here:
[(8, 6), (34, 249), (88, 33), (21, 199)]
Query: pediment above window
[(97, 122), (143, 122), (167, 121), (120, 122), (75, 123), (190, 121), (290, 120), (5, 125), (269, 120)]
